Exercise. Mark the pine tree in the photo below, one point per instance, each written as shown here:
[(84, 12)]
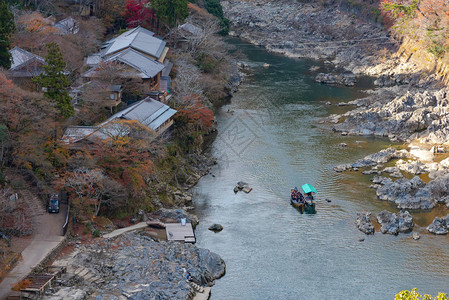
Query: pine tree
[(55, 81), (6, 28), (171, 11)]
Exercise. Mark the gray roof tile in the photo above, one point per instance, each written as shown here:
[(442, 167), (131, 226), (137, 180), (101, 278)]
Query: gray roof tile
[(138, 38)]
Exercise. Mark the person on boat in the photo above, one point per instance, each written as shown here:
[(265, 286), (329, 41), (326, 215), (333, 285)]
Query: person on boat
[(301, 197), (295, 194)]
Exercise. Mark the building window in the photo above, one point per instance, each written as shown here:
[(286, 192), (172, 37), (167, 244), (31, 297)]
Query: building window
[(112, 96)]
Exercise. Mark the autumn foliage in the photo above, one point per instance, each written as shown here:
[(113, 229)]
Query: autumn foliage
[(138, 13), (26, 116), (425, 21), (196, 113), (36, 23), (128, 156)]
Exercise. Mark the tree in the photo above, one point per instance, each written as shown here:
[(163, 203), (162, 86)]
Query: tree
[(34, 22), (111, 12), (4, 140), (187, 82), (414, 295), (88, 185), (55, 81), (138, 13), (214, 7), (26, 116), (127, 154), (6, 28), (171, 11)]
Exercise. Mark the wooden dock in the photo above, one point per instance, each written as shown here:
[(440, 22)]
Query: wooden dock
[(179, 233)]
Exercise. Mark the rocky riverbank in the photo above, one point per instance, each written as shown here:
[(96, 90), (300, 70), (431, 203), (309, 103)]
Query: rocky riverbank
[(409, 103), (135, 266)]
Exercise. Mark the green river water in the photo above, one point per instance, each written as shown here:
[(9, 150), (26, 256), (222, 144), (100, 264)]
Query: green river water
[(270, 136)]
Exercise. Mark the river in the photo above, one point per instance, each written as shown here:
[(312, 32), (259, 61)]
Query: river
[(271, 137)]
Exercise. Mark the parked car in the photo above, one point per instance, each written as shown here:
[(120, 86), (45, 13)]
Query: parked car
[(53, 204)]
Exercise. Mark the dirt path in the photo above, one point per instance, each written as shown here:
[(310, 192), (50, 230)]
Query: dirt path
[(47, 235)]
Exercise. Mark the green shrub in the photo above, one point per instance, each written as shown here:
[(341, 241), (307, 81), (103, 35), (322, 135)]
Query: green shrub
[(414, 295), (214, 7), (96, 233), (437, 49)]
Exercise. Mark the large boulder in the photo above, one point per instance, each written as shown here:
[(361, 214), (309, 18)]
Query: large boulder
[(439, 226), (407, 194), (392, 223), (211, 265), (176, 214), (364, 223), (215, 228), (242, 186), (327, 78), (374, 159), (346, 78)]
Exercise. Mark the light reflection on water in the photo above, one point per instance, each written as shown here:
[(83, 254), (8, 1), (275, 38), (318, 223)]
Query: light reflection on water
[(271, 140)]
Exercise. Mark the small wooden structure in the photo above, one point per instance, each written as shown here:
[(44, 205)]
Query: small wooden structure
[(39, 282), (180, 233)]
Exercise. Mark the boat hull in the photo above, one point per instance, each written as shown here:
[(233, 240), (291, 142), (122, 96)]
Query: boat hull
[(309, 207), (297, 205)]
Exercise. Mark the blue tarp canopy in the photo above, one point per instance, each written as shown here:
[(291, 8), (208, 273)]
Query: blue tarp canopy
[(307, 188)]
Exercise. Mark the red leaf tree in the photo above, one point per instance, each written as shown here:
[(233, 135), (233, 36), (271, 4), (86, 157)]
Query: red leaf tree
[(138, 13)]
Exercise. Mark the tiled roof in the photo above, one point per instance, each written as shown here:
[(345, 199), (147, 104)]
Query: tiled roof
[(68, 25), (148, 112), (22, 57), (138, 38), (148, 67)]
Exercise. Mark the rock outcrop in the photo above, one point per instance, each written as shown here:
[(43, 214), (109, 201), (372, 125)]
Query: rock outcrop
[(347, 78), (141, 268), (215, 228), (407, 194), (242, 186), (422, 115), (294, 29), (165, 214), (382, 156), (364, 223), (439, 226), (392, 223)]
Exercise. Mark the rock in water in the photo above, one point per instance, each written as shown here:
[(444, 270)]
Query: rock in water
[(247, 189), (212, 266), (364, 223), (407, 194), (439, 226), (265, 65), (242, 186), (326, 78), (387, 220), (405, 221), (394, 224), (216, 228), (416, 236)]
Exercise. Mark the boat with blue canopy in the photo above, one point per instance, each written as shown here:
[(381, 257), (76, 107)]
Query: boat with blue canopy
[(304, 203)]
